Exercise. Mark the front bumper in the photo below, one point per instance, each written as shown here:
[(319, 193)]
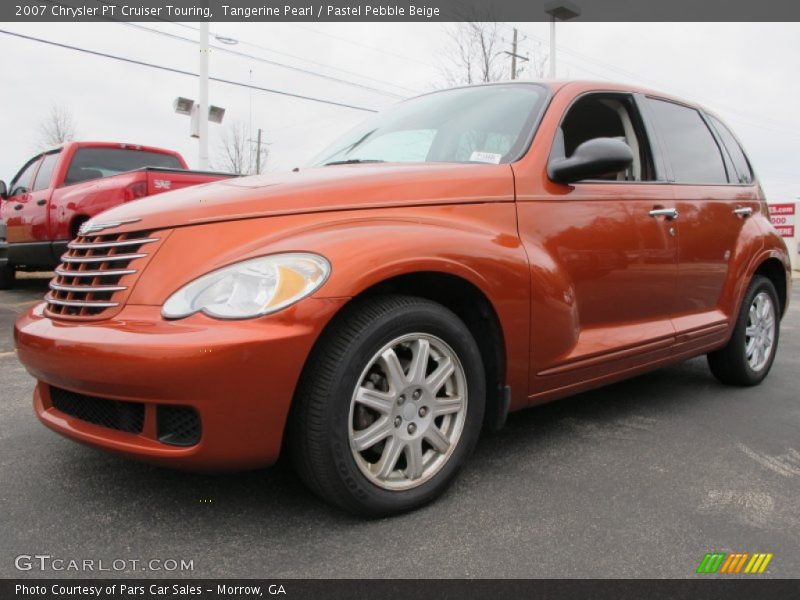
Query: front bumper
[(239, 376)]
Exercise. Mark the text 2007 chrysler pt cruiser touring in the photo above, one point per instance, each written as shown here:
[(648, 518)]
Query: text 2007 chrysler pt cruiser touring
[(465, 254)]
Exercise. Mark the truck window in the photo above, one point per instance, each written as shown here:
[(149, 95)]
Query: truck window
[(45, 174), (744, 174), (688, 144), (94, 163), (22, 181)]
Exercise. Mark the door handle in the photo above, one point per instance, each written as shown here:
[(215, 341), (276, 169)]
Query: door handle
[(18, 207), (669, 213), (743, 211), (41, 202)]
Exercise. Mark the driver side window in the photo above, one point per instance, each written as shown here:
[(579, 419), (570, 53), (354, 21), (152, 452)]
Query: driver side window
[(21, 184), (607, 116)]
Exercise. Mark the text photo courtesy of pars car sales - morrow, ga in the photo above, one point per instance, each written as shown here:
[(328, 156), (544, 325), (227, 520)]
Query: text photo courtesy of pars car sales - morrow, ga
[(435, 299)]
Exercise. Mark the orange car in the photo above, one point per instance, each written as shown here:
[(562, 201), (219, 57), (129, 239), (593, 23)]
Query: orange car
[(467, 253)]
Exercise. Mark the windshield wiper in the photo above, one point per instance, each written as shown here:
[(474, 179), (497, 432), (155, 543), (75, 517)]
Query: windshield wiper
[(353, 161)]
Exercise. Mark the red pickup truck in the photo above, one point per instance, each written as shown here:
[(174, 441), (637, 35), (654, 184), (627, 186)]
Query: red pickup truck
[(56, 191)]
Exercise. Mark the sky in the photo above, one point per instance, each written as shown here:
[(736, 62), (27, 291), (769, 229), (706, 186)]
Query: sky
[(745, 72)]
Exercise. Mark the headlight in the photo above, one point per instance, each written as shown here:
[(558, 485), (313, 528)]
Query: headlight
[(251, 288)]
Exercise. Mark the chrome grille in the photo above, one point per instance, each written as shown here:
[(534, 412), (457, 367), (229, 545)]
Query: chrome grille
[(92, 274)]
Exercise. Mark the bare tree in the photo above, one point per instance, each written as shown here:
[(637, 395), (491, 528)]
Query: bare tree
[(57, 127), (474, 53), (237, 152), (477, 52)]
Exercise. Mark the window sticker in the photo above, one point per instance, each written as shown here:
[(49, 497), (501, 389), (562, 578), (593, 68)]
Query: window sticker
[(486, 157)]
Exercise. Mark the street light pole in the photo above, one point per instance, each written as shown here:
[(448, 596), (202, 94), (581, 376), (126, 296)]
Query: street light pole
[(561, 10), (202, 109)]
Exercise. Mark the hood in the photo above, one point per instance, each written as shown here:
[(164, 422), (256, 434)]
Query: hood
[(332, 188)]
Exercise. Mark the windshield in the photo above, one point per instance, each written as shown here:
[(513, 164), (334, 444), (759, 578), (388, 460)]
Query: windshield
[(94, 163), (490, 124)]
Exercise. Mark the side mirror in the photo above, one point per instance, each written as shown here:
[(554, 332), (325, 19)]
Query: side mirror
[(3, 190), (592, 159)]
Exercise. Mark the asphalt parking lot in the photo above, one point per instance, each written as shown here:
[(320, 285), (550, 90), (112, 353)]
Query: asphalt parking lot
[(638, 479)]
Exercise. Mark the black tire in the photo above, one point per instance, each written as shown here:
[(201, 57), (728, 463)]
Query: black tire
[(7, 276), (729, 364), (319, 428)]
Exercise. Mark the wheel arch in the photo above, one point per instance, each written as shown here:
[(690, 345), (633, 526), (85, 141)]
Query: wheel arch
[(467, 301), (774, 269)]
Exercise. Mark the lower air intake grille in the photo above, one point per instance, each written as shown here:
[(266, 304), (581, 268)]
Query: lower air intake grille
[(114, 414), (178, 425)]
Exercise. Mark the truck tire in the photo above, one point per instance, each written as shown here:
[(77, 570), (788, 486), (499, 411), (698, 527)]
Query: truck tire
[(748, 356), (389, 406), (7, 276)]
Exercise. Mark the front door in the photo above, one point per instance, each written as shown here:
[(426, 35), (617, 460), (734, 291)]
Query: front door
[(604, 264), (16, 206)]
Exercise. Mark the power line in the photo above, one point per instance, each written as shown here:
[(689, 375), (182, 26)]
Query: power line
[(188, 73), (308, 60), (264, 60), (355, 43), (640, 78)]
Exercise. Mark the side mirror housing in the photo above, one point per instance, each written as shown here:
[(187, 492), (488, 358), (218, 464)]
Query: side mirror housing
[(3, 190), (592, 159)]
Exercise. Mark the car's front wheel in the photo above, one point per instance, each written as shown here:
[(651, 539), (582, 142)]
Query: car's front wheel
[(748, 356), (390, 404)]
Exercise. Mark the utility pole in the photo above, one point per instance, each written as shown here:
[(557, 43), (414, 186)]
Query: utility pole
[(552, 46), (202, 109), (514, 56), (258, 152), (259, 144)]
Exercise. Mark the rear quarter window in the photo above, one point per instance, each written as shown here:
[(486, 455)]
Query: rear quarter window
[(744, 173)]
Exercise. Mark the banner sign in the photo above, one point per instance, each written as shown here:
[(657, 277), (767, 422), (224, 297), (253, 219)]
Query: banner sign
[(782, 217)]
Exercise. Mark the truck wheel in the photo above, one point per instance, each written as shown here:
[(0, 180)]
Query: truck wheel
[(748, 357), (7, 276), (389, 406)]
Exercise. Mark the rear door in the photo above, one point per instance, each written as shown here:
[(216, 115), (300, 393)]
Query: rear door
[(713, 207), (15, 207)]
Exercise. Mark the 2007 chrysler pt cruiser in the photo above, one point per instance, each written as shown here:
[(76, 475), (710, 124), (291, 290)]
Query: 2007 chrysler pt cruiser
[(467, 253)]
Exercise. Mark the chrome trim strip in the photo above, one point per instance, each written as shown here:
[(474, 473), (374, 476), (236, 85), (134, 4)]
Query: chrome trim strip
[(87, 288), (79, 303), (100, 259), (95, 245), (89, 227), (111, 272)]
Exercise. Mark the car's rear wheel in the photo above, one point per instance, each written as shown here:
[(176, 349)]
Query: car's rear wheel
[(7, 276), (748, 356), (389, 406)]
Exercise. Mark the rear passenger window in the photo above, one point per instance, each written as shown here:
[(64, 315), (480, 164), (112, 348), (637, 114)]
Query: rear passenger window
[(688, 143), (744, 174)]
